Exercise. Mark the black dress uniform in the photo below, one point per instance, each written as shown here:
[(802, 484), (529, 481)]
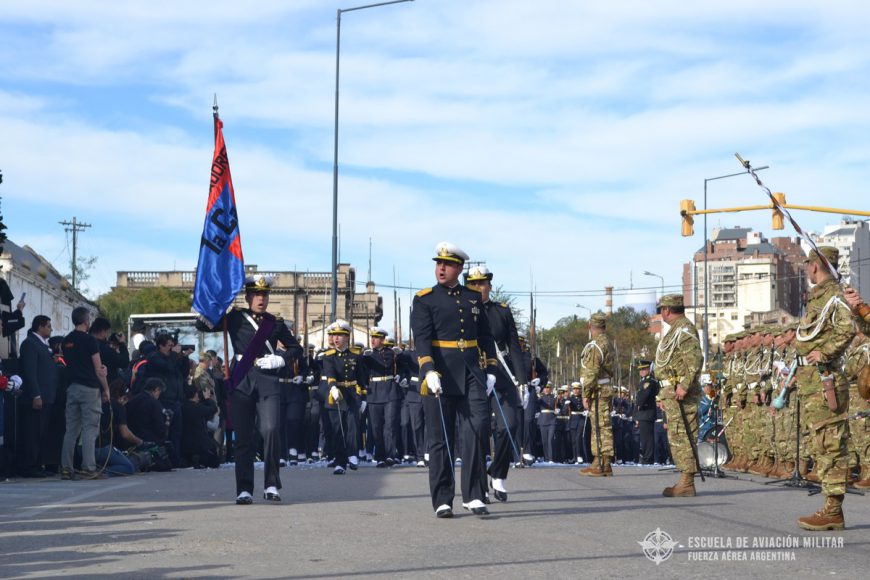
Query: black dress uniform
[(561, 442), (296, 397), (645, 415), (414, 405), (575, 428), (450, 329), (345, 369), (383, 401), (531, 440), (504, 332), (256, 399), (547, 424)]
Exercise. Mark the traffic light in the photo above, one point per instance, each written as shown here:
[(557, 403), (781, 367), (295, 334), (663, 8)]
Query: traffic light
[(686, 206), (777, 215)]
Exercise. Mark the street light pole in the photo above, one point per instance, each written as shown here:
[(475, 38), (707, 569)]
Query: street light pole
[(662, 278), (706, 270), (339, 12)]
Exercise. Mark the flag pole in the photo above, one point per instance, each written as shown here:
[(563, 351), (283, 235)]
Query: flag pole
[(226, 369)]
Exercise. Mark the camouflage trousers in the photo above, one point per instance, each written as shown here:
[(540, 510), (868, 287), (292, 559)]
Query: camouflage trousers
[(604, 394), (784, 432), (859, 429), (730, 414), (681, 441), (751, 430), (829, 430)]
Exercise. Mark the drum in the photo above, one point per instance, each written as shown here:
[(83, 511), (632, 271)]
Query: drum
[(707, 455)]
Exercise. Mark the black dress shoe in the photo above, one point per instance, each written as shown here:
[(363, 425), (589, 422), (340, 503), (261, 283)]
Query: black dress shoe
[(476, 507), (271, 496), (499, 495), (244, 499), (444, 512), (486, 499)]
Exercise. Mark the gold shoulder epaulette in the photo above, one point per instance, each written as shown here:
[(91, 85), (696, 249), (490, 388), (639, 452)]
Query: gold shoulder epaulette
[(504, 305), (423, 292), (355, 350), (330, 352)]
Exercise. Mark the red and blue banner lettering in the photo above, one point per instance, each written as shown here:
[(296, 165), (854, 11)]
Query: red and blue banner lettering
[(220, 273)]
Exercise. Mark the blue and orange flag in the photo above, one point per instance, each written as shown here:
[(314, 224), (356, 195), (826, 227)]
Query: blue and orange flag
[(220, 273)]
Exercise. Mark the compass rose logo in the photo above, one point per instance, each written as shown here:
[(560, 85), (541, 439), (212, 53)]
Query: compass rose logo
[(658, 546)]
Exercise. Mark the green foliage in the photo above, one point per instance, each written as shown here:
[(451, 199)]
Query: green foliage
[(629, 335), (120, 303)]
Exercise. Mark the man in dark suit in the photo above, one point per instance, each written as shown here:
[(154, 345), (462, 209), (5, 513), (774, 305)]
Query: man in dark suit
[(256, 390), (645, 415), (453, 339), (39, 374)]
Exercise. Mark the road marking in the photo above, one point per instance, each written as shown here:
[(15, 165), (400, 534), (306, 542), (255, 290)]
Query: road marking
[(76, 498)]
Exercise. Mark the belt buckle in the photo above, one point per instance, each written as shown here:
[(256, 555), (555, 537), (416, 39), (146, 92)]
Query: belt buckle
[(461, 344)]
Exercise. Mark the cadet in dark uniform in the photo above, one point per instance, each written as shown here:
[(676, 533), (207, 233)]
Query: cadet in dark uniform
[(295, 392), (538, 375), (414, 405), (383, 400), (346, 378), (663, 446), (547, 421), (451, 329), (645, 414), (575, 422), (509, 382), (256, 392)]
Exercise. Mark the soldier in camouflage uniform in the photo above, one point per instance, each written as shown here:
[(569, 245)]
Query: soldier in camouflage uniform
[(735, 383), (856, 358), (596, 364), (752, 425), (678, 365), (743, 409), (769, 452), (823, 335)]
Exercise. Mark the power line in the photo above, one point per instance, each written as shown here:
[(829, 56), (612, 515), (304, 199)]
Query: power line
[(74, 227)]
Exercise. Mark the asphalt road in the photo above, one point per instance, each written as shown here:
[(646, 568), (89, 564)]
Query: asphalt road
[(379, 523)]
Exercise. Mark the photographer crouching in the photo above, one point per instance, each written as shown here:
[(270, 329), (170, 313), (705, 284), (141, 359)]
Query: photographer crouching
[(198, 447)]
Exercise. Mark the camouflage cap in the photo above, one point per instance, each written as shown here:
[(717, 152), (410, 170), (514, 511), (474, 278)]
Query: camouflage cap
[(829, 252), (598, 320), (670, 300)]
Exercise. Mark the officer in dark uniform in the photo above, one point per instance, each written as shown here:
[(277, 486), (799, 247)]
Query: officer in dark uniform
[(537, 375), (313, 412), (575, 422), (383, 400), (663, 446), (645, 414), (346, 378), (547, 421), (256, 394), (507, 384), (450, 329), (616, 405), (414, 405), (295, 392)]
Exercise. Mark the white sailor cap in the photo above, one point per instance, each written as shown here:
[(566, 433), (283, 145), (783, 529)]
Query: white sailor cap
[(378, 332), (259, 283), (576, 385), (478, 274), (445, 251), (338, 327)]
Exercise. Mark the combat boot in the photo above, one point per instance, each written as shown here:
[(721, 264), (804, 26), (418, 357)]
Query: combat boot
[(787, 470), (595, 471), (759, 467), (830, 517), (749, 465), (769, 466), (803, 469), (775, 469), (684, 488), (863, 479), (813, 476)]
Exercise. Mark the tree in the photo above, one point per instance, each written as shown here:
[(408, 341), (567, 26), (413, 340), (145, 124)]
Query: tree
[(118, 304), (82, 268), (497, 294)]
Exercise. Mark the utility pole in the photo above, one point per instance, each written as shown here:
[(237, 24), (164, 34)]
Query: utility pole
[(75, 227)]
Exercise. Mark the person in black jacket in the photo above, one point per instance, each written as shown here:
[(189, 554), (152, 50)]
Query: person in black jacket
[(510, 381), (167, 364), (145, 416), (114, 352), (645, 414), (198, 447), (39, 374), (538, 375)]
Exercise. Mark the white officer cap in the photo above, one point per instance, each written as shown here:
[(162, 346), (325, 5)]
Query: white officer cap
[(259, 283), (338, 327), (378, 332), (478, 274), (445, 251)]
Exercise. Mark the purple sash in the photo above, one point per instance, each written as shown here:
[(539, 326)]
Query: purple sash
[(255, 347)]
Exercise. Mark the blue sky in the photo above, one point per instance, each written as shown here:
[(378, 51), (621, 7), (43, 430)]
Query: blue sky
[(554, 138)]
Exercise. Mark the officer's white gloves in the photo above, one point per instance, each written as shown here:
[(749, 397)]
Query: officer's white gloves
[(403, 383), (433, 382), (362, 407), (490, 384), (297, 380), (309, 380), (270, 362), (537, 390), (397, 349), (335, 394), (397, 378), (525, 399), (536, 382)]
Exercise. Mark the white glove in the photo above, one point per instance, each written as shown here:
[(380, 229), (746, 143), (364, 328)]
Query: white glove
[(525, 400), (397, 349), (397, 378), (362, 407), (433, 382), (403, 383), (490, 384), (536, 383), (270, 362), (297, 380), (537, 390), (15, 381), (335, 394), (309, 380)]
